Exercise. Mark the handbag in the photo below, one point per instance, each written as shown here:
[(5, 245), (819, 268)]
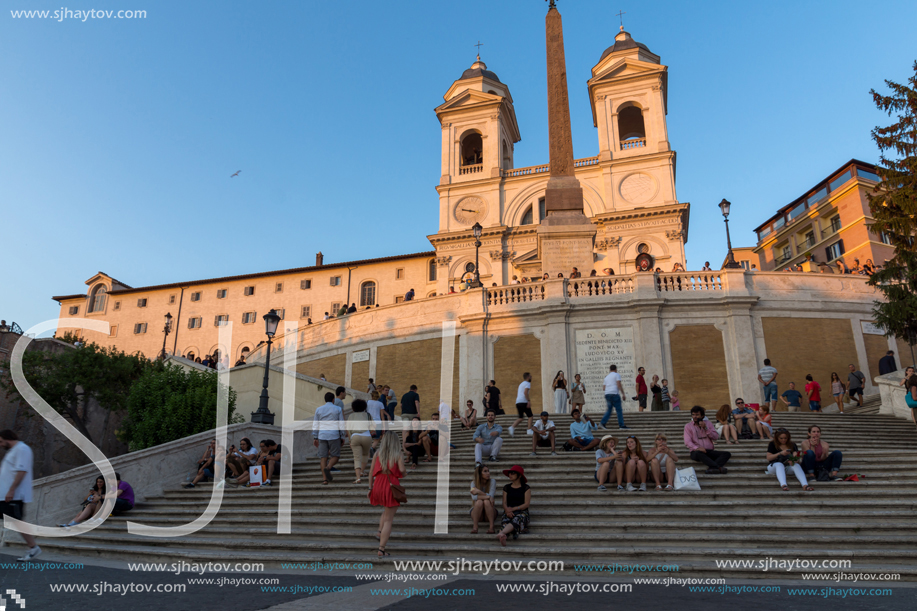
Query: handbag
[(12, 509), (686, 479), (398, 492)]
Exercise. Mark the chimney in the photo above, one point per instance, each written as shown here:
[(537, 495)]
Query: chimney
[(319, 259)]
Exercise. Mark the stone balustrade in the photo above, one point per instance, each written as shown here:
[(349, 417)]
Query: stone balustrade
[(634, 143), (471, 169), (516, 293), (594, 287), (685, 281)]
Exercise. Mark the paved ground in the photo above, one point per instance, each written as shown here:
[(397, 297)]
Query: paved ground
[(314, 592)]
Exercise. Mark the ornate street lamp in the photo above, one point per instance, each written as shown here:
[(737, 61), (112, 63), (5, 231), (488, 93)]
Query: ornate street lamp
[(166, 330), (263, 416), (731, 262), (476, 228)]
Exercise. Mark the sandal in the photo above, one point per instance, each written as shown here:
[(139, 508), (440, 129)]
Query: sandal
[(324, 482), (809, 489), (382, 552), (474, 532), (669, 488), (491, 531), (785, 488), (328, 475), (359, 480), (658, 488)]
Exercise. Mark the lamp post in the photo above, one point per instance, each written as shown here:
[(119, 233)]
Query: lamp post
[(166, 330), (476, 228), (731, 262), (263, 416)]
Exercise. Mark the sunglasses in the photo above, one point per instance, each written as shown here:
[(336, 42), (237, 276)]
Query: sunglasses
[(740, 402)]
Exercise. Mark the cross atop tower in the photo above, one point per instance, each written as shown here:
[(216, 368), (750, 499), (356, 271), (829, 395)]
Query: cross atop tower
[(479, 45), (620, 15)]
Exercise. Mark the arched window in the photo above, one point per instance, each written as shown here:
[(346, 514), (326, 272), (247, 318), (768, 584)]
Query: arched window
[(368, 293), (97, 298), (527, 218), (469, 267), (472, 153), (432, 270), (631, 129), (507, 157), (433, 294)]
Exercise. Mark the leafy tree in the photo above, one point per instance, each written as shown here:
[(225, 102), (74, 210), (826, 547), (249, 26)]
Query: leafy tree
[(70, 378), (169, 403), (894, 208)]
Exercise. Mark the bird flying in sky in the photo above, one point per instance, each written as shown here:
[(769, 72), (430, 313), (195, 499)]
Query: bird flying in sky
[(236, 174)]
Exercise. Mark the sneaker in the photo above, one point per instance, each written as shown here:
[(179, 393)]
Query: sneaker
[(630, 488), (553, 453), (452, 445), (602, 489), (528, 432), (620, 488), (512, 431), (334, 469), (30, 555), (188, 485), (533, 454), (476, 465), (624, 428), (492, 459), (603, 427), (642, 488)]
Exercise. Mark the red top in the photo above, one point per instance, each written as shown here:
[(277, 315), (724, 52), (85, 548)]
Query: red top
[(381, 494), (641, 385), (816, 391)]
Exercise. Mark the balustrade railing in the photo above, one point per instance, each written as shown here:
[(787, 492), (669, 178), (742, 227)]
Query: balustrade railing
[(635, 143), (515, 293), (535, 169), (579, 163), (590, 287), (698, 281), (471, 169)]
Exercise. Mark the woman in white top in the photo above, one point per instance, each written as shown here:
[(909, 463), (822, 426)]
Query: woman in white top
[(239, 459), (483, 490), (560, 393), (662, 459), (606, 459), (376, 409), (359, 424)]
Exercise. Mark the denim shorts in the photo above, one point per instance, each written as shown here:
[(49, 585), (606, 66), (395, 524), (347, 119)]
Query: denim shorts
[(814, 405), (770, 392)]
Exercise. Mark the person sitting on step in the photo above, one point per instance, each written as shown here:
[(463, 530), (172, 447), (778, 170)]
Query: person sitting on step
[(745, 416), (544, 434), (239, 459), (483, 492), (269, 458), (634, 463), (581, 432), (487, 439), (662, 459), (430, 437), (516, 499), (413, 444), (470, 419), (208, 468), (782, 454), (724, 426), (91, 505), (763, 424), (818, 455), (606, 459), (699, 436)]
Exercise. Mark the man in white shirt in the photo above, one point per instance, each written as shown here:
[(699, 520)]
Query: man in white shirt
[(327, 433), (614, 391), (544, 434), (523, 404), (16, 484)]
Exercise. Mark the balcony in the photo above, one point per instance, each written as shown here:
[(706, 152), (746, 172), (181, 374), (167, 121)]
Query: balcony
[(634, 143), (541, 169), (471, 169)]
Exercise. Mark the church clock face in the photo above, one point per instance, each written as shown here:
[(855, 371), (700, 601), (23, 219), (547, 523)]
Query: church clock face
[(470, 210)]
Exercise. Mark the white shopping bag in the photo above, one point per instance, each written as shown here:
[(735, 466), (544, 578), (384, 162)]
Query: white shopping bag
[(257, 475), (686, 479)]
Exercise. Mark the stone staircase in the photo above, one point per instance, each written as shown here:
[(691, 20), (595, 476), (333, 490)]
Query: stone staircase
[(740, 516)]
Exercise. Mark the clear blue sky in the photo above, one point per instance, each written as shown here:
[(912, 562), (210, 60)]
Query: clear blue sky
[(118, 137)]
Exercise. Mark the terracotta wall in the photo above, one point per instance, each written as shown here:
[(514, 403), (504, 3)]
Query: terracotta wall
[(699, 367), (419, 363), (513, 356), (332, 367)]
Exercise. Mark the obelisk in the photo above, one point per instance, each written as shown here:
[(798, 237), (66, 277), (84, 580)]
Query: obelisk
[(565, 236)]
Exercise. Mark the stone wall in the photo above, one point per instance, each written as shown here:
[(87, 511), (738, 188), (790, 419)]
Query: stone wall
[(419, 363), (876, 347), (332, 367), (699, 363)]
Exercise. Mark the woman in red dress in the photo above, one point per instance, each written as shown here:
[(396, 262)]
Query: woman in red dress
[(388, 469)]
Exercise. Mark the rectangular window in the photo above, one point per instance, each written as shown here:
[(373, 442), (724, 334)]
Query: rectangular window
[(399, 298), (113, 331), (221, 294), (335, 281), (817, 196), (795, 212), (868, 175), (787, 252), (541, 212), (836, 223), (171, 299), (886, 239), (837, 182), (306, 312), (281, 312), (141, 303), (835, 251), (335, 308), (196, 296), (764, 232), (432, 271), (810, 239), (305, 284), (249, 291), (248, 318), (74, 310), (278, 288), (140, 327), (220, 320), (117, 305), (399, 273), (194, 323), (744, 265), (780, 222)]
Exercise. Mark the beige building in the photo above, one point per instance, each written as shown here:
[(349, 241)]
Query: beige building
[(830, 222), (629, 193)]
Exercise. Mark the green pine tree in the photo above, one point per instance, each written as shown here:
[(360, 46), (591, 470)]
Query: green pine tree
[(894, 208)]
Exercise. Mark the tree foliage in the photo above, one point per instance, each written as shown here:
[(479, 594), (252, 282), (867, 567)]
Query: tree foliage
[(169, 403), (70, 378), (894, 208)]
